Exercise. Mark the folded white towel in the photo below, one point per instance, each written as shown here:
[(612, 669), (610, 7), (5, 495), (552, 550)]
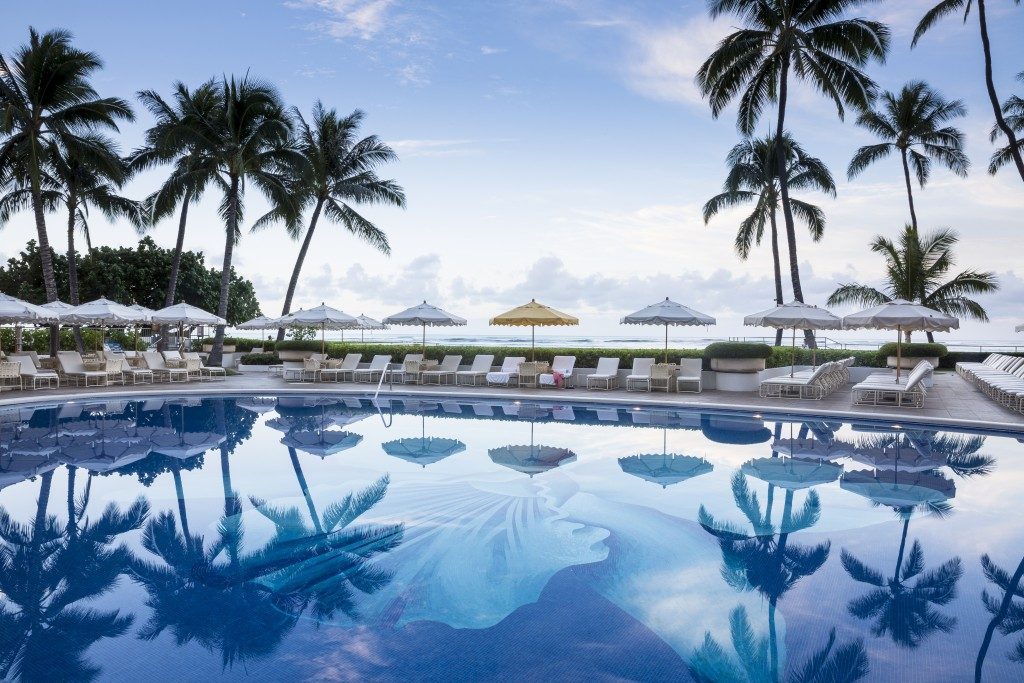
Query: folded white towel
[(499, 377)]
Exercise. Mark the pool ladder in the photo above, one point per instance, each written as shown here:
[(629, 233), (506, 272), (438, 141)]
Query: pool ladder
[(391, 388)]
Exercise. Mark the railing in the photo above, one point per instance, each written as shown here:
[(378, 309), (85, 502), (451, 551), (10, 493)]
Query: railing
[(822, 342), (380, 383)]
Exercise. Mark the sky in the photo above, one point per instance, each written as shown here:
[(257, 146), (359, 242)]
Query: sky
[(556, 150)]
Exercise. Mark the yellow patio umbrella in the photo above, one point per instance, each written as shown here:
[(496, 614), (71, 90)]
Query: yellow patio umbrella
[(534, 315)]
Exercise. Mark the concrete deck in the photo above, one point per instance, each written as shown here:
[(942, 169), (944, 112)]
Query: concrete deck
[(951, 402)]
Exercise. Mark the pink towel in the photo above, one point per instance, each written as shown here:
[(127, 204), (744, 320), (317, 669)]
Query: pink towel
[(559, 379)]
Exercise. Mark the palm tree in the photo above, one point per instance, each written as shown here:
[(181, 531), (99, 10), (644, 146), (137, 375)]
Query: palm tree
[(752, 178), (916, 269), (243, 139), (90, 174), (338, 171), (710, 663), (946, 7), (812, 40), (912, 123), (902, 605), (765, 560), (1013, 111), (193, 172), (48, 575), (1007, 613), (48, 102)]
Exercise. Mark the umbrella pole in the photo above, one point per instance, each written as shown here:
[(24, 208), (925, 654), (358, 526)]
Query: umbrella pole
[(323, 339), (899, 350), (424, 339), (792, 367), (666, 342), (533, 342)]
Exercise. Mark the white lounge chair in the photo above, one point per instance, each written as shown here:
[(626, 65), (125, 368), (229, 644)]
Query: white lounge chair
[(408, 370), (562, 366), (345, 369), (607, 374), (885, 390), (136, 375), (445, 372), (508, 375), (690, 370), (477, 372), (809, 386), (161, 372), (10, 375), (294, 371), (639, 378), (31, 376), (73, 367), (378, 366), (208, 372)]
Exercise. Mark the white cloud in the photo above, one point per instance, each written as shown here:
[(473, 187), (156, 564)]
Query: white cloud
[(363, 19), (413, 73), (488, 50), (434, 148)]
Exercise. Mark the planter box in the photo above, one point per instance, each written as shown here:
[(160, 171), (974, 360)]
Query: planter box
[(294, 355), (737, 364), (253, 369), (228, 348), (909, 363)]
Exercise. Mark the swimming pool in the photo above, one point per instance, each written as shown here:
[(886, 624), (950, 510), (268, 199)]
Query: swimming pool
[(331, 538)]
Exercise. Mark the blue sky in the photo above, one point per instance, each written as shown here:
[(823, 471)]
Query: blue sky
[(556, 150)]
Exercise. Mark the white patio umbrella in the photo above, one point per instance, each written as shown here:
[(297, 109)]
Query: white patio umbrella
[(18, 312), (322, 316), (667, 313), (58, 307), (260, 322), (142, 310), (103, 313), (903, 316), (185, 314), (795, 315), (368, 323), (1019, 328), (423, 315)]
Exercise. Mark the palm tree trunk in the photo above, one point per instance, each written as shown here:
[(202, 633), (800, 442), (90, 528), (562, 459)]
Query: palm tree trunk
[(773, 638), (992, 96), (297, 466), (778, 270), (179, 491), (45, 255), (303, 250), (72, 521), (217, 353), (72, 206), (997, 619), (179, 247), (910, 191), (787, 209), (903, 546)]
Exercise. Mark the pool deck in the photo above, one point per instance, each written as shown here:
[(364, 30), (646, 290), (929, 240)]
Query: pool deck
[(951, 402)]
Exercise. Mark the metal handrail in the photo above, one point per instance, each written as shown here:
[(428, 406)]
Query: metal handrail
[(380, 383)]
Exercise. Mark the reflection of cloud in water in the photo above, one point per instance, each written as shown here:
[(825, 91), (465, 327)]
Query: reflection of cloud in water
[(474, 553)]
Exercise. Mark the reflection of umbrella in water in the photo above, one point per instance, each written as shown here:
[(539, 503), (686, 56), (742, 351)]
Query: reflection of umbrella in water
[(320, 442), (423, 450), (14, 469), (664, 468), (103, 456), (531, 459), (813, 448), (257, 404), (897, 459), (734, 429), (899, 489), (792, 473), (183, 445)]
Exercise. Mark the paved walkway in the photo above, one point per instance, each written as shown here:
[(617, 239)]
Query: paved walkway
[(952, 401)]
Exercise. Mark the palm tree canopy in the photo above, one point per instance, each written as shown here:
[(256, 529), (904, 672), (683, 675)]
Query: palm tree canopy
[(339, 169), (912, 121), (752, 178), (941, 10), (813, 38), (1013, 114), (917, 269)]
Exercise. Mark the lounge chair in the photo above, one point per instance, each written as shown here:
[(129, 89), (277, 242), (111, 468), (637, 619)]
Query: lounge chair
[(173, 359), (137, 375), (690, 370), (161, 372), (885, 390), (408, 369), (561, 373), (477, 372), (10, 375), (639, 378), (806, 386), (73, 367), (31, 376), (508, 375), (341, 370), (529, 373), (445, 372), (206, 371), (378, 366), (607, 374), (294, 371)]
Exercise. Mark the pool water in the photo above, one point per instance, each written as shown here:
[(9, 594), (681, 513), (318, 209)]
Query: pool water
[(330, 538)]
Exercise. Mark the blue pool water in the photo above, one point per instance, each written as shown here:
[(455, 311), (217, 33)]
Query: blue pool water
[(332, 539)]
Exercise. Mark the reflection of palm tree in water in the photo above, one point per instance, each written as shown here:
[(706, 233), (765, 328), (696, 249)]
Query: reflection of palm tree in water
[(768, 562), (1007, 614), (45, 571)]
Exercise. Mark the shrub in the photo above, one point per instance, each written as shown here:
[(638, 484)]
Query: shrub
[(260, 359), (914, 350), (737, 350), (243, 345), (783, 356)]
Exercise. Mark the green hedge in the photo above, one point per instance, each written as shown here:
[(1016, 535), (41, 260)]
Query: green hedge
[(737, 350), (260, 359), (38, 339), (920, 350), (243, 345)]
